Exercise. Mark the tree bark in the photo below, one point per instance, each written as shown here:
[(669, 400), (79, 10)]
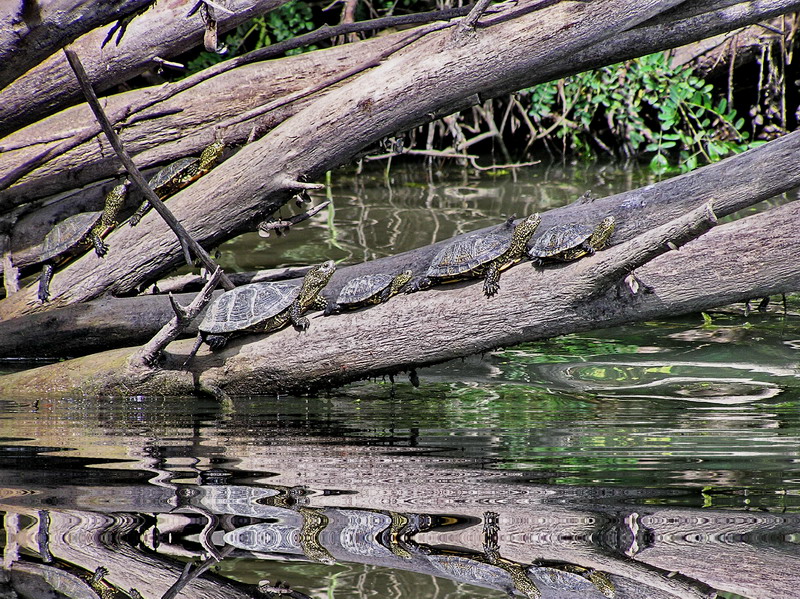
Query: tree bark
[(433, 74), (181, 124), (160, 32), (733, 262), (109, 322), (32, 31), (168, 119)]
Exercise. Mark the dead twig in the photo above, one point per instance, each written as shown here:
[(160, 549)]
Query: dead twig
[(184, 238), (148, 355), (283, 225)]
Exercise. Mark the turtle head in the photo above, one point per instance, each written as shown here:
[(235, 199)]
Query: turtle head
[(602, 233), (211, 154), (400, 281), (525, 229), (316, 278)]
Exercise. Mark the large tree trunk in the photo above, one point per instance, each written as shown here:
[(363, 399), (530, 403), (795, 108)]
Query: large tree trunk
[(733, 262), (155, 114), (438, 73), (160, 32), (112, 322)]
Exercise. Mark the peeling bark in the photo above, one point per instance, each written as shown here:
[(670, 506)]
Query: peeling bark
[(162, 31)]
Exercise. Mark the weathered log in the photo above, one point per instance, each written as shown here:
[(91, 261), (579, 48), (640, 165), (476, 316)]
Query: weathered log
[(109, 322), (180, 124), (162, 31), (426, 76), (410, 330), (179, 132), (32, 31)]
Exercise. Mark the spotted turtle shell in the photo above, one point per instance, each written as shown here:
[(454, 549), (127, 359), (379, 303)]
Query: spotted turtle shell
[(559, 239), (361, 289), (62, 238), (248, 306), (172, 176), (467, 255)]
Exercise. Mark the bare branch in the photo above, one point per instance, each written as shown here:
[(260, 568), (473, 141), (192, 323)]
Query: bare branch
[(147, 356), (183, 236), (283, 225)]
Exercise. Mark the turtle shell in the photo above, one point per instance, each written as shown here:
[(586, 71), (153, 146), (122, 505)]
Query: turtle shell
[(248, 306), (559, 239), (174, 175), (360, 290), (63, 237), (467, 255), (560, 579)]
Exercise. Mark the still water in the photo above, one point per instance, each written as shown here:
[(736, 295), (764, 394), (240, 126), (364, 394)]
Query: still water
[(653, 461)]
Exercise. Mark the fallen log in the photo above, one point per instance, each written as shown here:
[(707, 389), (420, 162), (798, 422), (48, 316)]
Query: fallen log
[(424, 75), (452, 321), (112, 322), (162, 31)]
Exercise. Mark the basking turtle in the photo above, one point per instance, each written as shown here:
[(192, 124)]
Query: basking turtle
[(178, 175), (368, 290), (571, 241), (263, 307), (480, 254), (71, 237)]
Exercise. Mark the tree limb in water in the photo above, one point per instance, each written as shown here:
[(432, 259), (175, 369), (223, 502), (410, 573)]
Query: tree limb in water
[(428, 78), (110, 322), (457, 320)]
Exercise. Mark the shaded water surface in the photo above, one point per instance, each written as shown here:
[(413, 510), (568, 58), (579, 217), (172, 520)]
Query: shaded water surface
[(652, 461)]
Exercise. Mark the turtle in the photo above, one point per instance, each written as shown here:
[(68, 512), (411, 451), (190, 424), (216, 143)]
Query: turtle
[(71, 237), (263, 307), (570, 241), (368, 290), (177, 175), (480, 254)]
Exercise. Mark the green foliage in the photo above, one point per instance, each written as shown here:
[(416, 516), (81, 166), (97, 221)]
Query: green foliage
[(643, 106), (285, 22)]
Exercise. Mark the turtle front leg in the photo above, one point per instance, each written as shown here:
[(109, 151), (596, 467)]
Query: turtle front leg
[(44, 282), (100, 247), (296, 316), (140, 212), (491, 280), (331, 308)]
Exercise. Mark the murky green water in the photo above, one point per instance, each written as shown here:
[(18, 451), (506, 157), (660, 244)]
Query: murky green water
[(659, 460)]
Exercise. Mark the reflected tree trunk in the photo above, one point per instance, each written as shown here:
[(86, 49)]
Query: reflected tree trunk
[(401, 81)]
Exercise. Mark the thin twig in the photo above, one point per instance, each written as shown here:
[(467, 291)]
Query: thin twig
[(471, 19), (185, 239), (148, 354), (285, 224)]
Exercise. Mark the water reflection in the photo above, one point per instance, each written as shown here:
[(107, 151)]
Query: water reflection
[(377, 497)]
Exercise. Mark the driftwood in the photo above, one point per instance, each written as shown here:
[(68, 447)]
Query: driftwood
[(109, 322), (340, 124), (409, 330), (160, 32)]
